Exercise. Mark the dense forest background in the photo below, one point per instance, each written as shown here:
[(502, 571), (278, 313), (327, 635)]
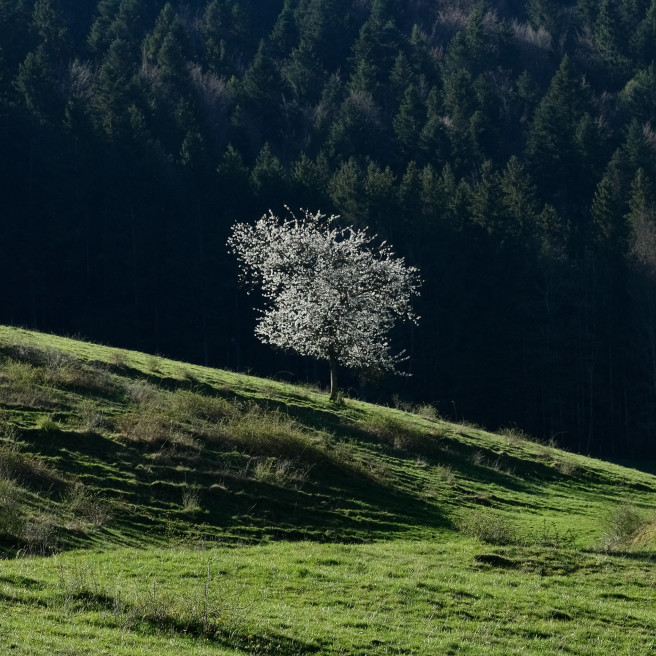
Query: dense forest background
[(506, 149)]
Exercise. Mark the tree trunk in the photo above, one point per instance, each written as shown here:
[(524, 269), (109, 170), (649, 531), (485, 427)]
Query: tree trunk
[(333, 378)]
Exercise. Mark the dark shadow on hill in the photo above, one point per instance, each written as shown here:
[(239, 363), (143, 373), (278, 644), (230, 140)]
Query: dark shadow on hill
[(146, 496), (439, 446), (158, 489)]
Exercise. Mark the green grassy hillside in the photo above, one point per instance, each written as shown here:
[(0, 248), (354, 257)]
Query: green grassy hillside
[(159, 505)]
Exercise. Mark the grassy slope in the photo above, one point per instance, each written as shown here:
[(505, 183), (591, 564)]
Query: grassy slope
[(362, 530)]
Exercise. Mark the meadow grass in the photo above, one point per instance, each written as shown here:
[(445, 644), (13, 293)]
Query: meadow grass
[(160, 506), (413, 597)]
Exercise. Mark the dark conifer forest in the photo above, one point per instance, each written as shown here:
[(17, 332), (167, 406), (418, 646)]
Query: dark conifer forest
[(506, 148)]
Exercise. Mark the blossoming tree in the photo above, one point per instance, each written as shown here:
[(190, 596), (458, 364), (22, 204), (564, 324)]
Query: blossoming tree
[(329, 292)]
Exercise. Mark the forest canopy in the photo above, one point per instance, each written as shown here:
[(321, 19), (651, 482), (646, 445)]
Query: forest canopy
[(506, 149)]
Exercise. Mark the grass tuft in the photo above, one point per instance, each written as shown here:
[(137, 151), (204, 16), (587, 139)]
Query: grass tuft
[(40, 535), (280, 471), (83, 504), (189, 406), (48, 425), (11, 514), (622, 524), (488, 526), (427, 412)]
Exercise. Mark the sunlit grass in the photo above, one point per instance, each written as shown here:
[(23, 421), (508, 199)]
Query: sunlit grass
[(416, 597)]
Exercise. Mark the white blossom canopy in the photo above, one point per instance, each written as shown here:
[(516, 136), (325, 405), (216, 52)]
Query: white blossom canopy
[(329, 292)]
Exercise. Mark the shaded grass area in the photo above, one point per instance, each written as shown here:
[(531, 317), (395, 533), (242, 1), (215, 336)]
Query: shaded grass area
[(412, 597), (103, 446), (133, 456)]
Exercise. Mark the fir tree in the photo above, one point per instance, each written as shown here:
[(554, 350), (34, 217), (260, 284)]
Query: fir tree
[(642, 221), (609, 227), (638, 98), (269, 178), (551, 146), (50, 28), (409, 121), (609, 39), (37, 87), (643, 39), (345, 190)]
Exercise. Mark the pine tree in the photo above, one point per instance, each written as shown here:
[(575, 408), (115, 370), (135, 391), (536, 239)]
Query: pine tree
[(642, 221), (643, 39), (114, 89), (485, 201), (380, 196), (364, 78), (51, 29), (127, 22), (631, 13), (459, 105), (609, 39), (100, 37), (551, 145), (591, 142), (15, 35), (401, 77), (262, 94), (638, 98), (131, 21), (323, 25), (37, 87), (285, 33), (409, 121), (421, 59), (432, 195), (172, 63), (226, 32), (433, 138), (373, 55), (234, 183), (345, 191), (609, 227), (544, 14), (445, 199), (310, 178), (269, 179), (633, 154), (410, 202), (303, 74), (527, 97), (518, 202), (261, 85), (358, 128), (168, 30), (193, 154), (215, 28), (469, 49), (329, 104), (585, 14), (486, 43)]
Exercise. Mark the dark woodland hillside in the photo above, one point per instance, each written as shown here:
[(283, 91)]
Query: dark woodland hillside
[(507, 149)]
